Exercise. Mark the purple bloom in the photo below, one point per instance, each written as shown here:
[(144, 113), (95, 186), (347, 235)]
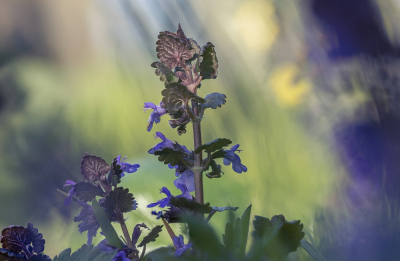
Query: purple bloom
[(88, 221), (185, 178), (162, 203), (126, 167), (180, 246), (71, 193), (165, 143), (137, 232), (159, 214), (232, 157), (155, 116), (122, 255)]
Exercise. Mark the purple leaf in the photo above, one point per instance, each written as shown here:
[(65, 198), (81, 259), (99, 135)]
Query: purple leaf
[(94, 168), (37, 238), (15, 238)]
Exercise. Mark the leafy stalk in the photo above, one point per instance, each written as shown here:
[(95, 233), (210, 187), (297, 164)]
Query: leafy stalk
[(198, 158)]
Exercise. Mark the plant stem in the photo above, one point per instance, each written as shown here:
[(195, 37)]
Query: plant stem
[(198, 158), (124, 229)]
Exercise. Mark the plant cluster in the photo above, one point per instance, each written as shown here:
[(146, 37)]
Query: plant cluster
[(182, 66)]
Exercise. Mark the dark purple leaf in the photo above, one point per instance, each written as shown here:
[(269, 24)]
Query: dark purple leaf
[(94, 168), (87, 191), (152, 236), (182, 36), (37, 238), (165, 73), (173, 51), (15, 238), (176, 95), (119, 198)]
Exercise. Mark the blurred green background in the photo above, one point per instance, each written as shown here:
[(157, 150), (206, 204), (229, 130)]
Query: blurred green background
[(74, 76)]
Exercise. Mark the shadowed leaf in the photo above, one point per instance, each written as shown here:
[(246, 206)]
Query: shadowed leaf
[(152, 236), (215, 170), (209, 64), (190, 205), (214, 145), (105, 225), (87, 191), (170, 156), (175, 95), (214, 100), (165, 73), (120, 198)]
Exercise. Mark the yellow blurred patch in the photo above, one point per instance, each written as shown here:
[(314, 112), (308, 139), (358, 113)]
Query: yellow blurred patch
[(288, 86), (255, 22)]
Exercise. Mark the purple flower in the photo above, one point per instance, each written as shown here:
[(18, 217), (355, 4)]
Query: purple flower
[(155, 116), (165, 143), (137, 232), (159, 214), (88, 221), (186, 178), (232, 157), (126, 167), (180, 246), (162, 203), (71, 193)]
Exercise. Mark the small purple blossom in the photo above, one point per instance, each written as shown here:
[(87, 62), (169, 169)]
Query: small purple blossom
[(159, 214), (162, 203), (126, 167), (71, 193), (185, 178), (180, 246), (232, 157), (155, 116), (165, 143), (137, 232)]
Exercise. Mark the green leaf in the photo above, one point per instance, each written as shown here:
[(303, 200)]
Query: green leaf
[(215, 170), (209, 64), (165, 73), (87, 191), (152, 236), (175, 95), (317, 256), (83, 253), (190, 205), (204, 237), (170, 156), (105, 225), (284, 237), (119, 198), (218, 154), (106, 256), (214, 145), (229, 237), (242, 231), (214, 100), (63, 256)]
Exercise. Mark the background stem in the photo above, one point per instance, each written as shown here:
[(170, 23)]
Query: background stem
[(198, 158)]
